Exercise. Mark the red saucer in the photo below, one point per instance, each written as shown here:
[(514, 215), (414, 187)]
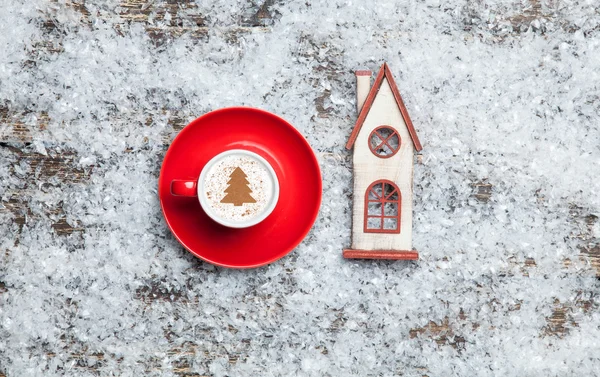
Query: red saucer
[(290, 156)]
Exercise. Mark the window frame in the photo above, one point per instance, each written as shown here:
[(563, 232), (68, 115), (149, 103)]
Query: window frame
[(383, 200), (384, 141)]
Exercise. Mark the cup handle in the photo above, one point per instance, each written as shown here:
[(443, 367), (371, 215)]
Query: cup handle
[(184, 187)]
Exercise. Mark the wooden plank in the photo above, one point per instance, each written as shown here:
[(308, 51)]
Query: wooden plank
[(20, 209), (482, 190), (160, 291), (593, 255), (262, 16), (173, 13), (441, 334), (57, 166), (183, 357), (178, 18), (584, 223), (532, 17), (16, 127), (185, 13), (446, 333), (562, 317), (163, 21), (511, 22), (161, 35)]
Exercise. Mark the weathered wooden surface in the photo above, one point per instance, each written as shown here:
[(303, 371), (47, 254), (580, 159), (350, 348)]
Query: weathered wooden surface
[(58, 166)]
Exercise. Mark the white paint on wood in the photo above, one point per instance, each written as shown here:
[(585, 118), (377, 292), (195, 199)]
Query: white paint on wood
[(369, 168), (363, 85)]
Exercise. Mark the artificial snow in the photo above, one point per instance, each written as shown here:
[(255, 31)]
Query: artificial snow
[(498, 94)]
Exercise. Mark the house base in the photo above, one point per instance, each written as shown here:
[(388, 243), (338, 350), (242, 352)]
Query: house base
[(381, 254)]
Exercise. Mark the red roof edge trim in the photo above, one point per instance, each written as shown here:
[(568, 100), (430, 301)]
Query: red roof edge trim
[(403, 110), (384, 71)]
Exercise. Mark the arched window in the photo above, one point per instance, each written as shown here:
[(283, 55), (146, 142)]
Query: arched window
[(382, 207), (384, 141)]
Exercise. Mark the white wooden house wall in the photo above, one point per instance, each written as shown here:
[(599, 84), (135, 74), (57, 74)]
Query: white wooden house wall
[(369, 168)]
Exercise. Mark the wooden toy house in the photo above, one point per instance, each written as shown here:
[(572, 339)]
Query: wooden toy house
[(384, 142)]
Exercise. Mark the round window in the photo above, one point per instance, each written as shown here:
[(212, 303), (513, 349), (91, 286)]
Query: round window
[(384, 141)]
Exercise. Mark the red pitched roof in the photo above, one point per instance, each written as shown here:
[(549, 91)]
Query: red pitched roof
[(384, 72)]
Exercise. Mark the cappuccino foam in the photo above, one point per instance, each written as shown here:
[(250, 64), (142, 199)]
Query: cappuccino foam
[(238, 188)]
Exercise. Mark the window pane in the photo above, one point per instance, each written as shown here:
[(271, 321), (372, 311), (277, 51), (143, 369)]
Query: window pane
[(374, 223), (390, 224), (391, 209), (374, 209), (390, 192), (379, 189), (375, 140), (375, 192)]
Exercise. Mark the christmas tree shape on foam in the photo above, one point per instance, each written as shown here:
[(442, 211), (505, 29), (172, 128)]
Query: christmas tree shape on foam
[(238, 191)]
